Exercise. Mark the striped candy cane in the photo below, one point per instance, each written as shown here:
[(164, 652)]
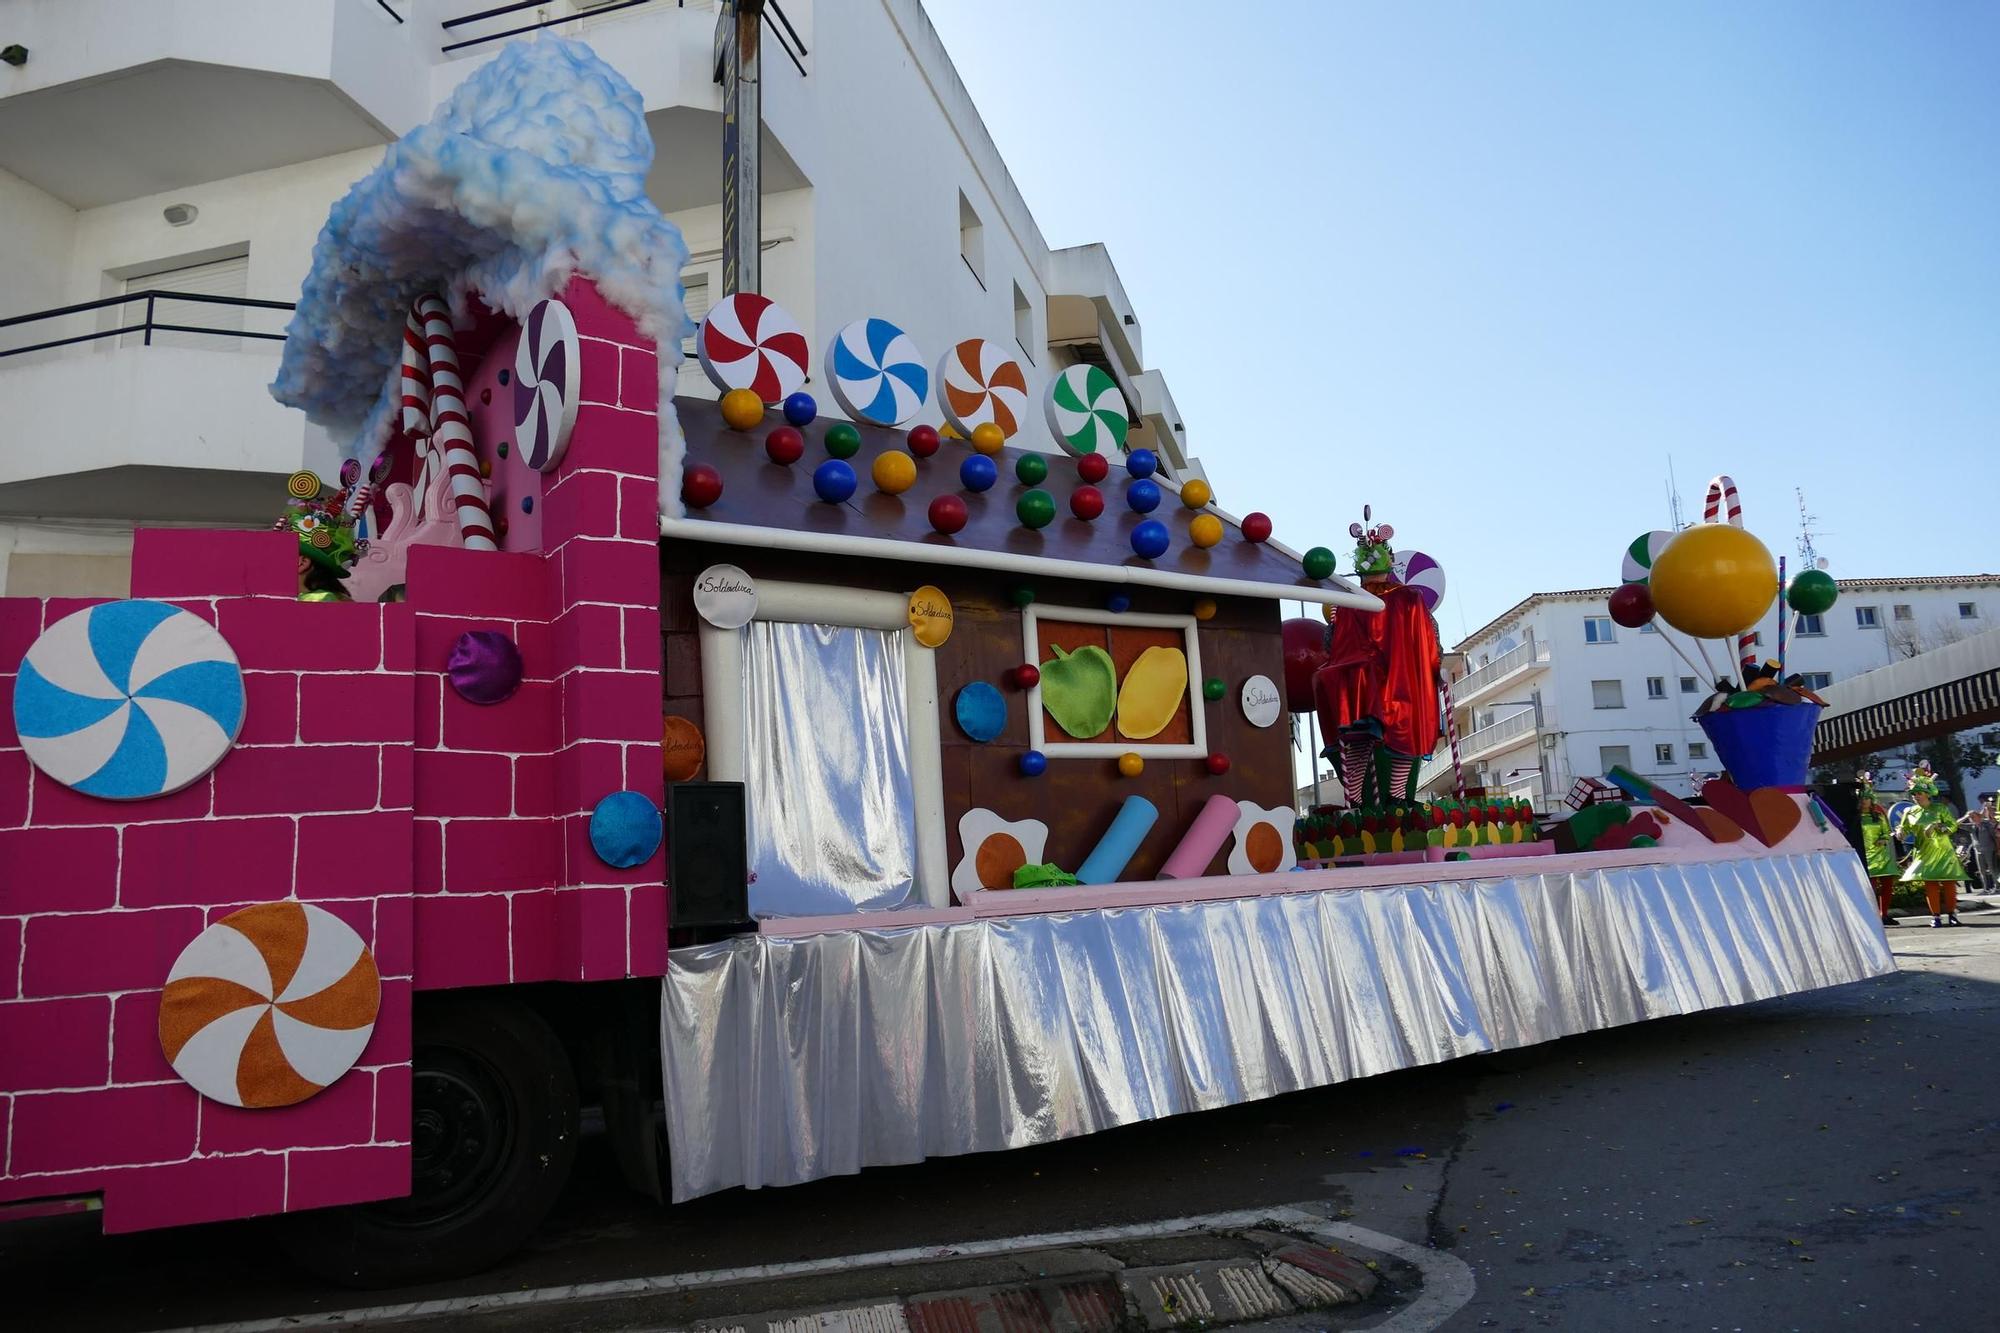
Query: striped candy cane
[(1451, 732), (1723, 505), (451, 428)]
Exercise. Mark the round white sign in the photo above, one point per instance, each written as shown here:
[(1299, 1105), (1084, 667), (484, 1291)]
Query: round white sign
[(1261, 701), (725, 596)]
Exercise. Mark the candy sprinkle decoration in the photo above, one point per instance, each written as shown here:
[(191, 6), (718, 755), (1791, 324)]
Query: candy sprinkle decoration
[(749, 342), (877, 373), (128, 700), (978, 383), (1086, 411), (269, 1005)]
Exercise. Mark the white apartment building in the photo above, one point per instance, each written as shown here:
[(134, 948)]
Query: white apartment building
[(1552, 690), (195, 146)]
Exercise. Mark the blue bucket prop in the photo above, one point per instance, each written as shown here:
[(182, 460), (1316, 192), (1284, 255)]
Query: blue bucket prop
[(1768, 746)]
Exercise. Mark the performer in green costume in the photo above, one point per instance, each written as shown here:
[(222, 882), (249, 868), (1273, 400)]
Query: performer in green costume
[(1928, 827), (1878, 853)]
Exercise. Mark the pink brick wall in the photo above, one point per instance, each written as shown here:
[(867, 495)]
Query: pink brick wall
[(452, 837)]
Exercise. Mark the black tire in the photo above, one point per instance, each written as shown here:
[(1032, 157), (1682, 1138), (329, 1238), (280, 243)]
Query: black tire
[(494, 1112)]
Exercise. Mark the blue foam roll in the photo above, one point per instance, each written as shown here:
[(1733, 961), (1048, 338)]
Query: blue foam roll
[(1107, 860)]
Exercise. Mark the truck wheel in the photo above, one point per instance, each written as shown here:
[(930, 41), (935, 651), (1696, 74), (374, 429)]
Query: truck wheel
[(494, 1127)]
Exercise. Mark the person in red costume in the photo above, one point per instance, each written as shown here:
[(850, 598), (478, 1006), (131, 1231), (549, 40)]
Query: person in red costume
[(1377, 695)]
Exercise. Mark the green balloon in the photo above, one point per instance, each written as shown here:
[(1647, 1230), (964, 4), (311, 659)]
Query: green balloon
[(1318, 562), (842, 440), (1812, 592), (1213, 688), (1036, 509), (1033, 470)]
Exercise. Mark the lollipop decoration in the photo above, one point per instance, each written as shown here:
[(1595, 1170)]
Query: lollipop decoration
[(1423, 573), (877, 373), (1640, 555), (545, 385), (1086, 411), (748, 341), (978, 383)]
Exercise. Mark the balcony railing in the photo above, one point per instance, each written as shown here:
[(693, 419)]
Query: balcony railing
[(148, 323), (1493, 736), (1532, 653), (588, 13)]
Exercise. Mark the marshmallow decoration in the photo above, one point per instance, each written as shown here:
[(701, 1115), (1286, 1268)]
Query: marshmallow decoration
[(877, 373), (128, 700), (269, 1005), (978, 383), (546, 390), (748, 341)]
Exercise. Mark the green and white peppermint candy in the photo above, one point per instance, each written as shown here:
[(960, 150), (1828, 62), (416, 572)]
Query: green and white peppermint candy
[(1637, 566), (1086, 411)]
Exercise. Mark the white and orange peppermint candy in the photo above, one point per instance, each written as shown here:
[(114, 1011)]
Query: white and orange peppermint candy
[(269, 1005)]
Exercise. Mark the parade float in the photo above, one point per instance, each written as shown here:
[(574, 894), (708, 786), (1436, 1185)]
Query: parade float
[(824, 791)]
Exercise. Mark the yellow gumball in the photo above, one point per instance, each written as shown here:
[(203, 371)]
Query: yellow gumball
[(988, 438), (894, 472), (1195, 494), (1714, 580), (1204, 608), (1205, 530), (741, 409), (1130, 765)]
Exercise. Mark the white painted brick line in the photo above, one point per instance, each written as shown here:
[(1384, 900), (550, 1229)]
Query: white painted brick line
[(1251, 1292), (1305, 1288), (1181, 1296)]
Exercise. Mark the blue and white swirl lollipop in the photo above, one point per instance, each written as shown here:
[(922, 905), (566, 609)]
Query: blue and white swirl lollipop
[(877, 373), (128, 700)]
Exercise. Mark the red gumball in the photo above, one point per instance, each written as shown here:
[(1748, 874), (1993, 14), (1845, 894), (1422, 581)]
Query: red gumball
[(923, 441), (947, 514), (1305, 653), (701, 486), (1256, 527), (1026, 676), (1632, 605), (1218, 764), (785, 445), (1086, 502), (1093, 467)]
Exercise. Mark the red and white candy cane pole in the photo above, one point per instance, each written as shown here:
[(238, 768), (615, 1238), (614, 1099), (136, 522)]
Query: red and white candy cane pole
[(451, 427), (1723, 506), (416, 414), (1451, 733)]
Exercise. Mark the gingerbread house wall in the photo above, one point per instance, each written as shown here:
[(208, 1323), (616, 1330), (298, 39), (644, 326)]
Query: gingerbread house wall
[(453, 838)]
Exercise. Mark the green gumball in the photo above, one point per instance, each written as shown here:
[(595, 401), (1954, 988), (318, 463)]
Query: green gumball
[(1032, 470), (1318, 563), (842, 440), (1036, 509), (1022, 594), (1213, 688), (1812, 592)]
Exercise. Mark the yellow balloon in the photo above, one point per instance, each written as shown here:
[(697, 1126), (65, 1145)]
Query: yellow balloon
[(1714, 580), (742, 409), (1196, 493), (988, 438), (1205, 530), (894, 472)]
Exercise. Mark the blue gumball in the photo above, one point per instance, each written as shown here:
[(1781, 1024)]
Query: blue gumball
[(1143, 496), (833, 480), (1034, 763), (1142, 463), (1150, 539), (1118, 602), (978, 473), (800, 409)]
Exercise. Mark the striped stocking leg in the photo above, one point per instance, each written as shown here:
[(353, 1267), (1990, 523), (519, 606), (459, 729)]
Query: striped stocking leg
[(1355, 752)]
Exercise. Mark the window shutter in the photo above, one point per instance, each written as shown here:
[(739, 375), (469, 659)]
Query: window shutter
[(221, 277)]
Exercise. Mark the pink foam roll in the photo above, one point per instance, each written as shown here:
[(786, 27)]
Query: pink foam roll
[(1204, 838)]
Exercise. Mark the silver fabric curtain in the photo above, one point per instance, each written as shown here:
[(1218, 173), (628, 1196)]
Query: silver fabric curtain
[(826, 725), (791, 1059)]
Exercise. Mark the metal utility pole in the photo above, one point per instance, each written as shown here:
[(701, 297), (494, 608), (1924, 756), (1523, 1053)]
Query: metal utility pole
[(737, 28)]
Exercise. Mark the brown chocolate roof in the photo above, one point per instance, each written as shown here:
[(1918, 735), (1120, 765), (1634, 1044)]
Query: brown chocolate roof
[(770, 504)]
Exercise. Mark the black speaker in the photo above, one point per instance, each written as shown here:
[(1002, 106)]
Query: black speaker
[(1844, 800), (708, 856)]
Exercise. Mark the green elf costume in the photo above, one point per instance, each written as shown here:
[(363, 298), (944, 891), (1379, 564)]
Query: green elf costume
[(1928, 826), (1878, 852)]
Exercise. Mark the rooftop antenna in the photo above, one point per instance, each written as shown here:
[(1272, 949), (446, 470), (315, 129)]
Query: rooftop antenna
[(1674, 495), (1809, 558)]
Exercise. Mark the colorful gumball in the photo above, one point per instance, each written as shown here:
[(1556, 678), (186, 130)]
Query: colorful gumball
[(1142, 463), (923, 441), (1812, 593), (977, 473), (800, 409), (1031, 469), (1204, 608), (1714, 580), (843, 440), (1118, 603), (1093, 468), (1305, 653), (1036, 509), (893, 472), (1205, 530), (785, 445), (947, 514), (1632, 605), (1151, 539), (1022, 594), (1026, 676), (1256, 526), (701, 486), (1318, 562), (1034, 763), (1217, 764), (988, 438), (1143, 496), (1196, 493), (833, 480), (1086, 502), (1213, 688), (1130, 765), (742, 409)]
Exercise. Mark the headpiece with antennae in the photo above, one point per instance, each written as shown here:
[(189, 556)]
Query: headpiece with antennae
[(1372, 553)]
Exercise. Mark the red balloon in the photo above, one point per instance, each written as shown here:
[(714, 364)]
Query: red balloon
[(923, 441), (1086, 502), (1218, 764), (1305, 653), (785, 445), (948, 514), (1093, 467), (1632, 605), (1257, 528), (701, 486), (1027, 676)]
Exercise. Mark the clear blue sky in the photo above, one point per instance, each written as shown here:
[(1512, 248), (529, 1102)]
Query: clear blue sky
[(1490, 266)]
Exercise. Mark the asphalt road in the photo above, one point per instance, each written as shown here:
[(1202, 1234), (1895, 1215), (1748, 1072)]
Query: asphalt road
[(1818, 1162)]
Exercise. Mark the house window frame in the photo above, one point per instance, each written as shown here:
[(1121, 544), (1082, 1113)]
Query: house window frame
[(1903, 612), (1609, 630), (1968, 610), (1656, 687), (1619, 685), (1809, 626), (1031, 651), (1874, 620), (1697, 750), (1663, 752), (1690, 684), (972, 240)]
